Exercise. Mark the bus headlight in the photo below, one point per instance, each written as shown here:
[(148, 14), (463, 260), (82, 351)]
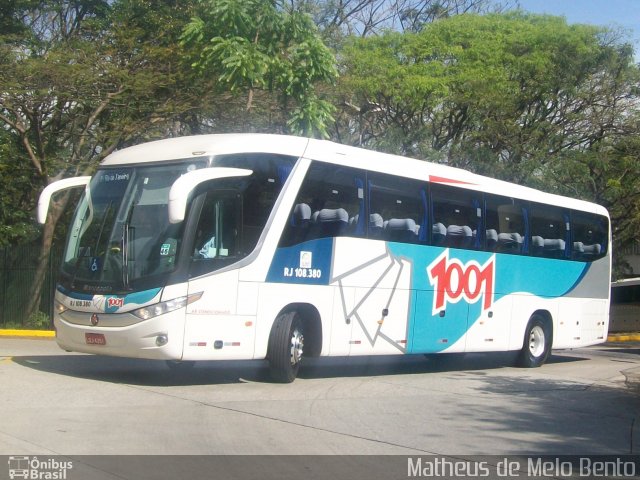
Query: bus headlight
[(59, 307), (145, 313)]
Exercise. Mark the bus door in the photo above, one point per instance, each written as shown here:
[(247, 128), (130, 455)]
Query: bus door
[(213, 328)]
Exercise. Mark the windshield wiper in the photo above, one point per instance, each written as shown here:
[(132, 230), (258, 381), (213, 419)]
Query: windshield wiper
[(104, 221), (127, 230), (97, 244), (76, 267)]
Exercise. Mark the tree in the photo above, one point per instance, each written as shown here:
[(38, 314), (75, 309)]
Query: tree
[(361, 18), (609, 174), (527, 98), (518, 87), (256, 47), (16, 185), (80, 79)]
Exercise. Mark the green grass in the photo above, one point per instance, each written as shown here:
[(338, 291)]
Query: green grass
[(37, 321)]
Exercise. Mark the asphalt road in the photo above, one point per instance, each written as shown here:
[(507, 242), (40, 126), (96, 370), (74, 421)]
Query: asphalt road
[(57, 403)]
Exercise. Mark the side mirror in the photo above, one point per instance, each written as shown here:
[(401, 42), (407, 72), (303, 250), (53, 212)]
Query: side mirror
[(187, 183), (49, 190)]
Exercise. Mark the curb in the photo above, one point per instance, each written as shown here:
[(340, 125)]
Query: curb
[(624, 337), (46, 334)]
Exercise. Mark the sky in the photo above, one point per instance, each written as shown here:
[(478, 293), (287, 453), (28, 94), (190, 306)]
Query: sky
[(623, 14)]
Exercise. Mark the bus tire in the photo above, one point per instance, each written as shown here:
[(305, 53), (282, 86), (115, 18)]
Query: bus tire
[(286, 347), (537, 342)]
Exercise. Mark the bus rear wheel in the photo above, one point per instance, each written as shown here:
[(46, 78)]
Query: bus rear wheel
[(537, 343), (286, 347)]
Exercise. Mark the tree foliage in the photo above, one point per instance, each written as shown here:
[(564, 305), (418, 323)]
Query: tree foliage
[(17, 184), (517, 84), (527, 98), (257, 45), (361, 18)]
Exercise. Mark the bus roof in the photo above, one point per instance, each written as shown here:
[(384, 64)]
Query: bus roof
[(437, 173), (207, 145), (327, 151)]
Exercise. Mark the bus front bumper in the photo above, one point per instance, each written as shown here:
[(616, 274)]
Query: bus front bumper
[(158, 338)]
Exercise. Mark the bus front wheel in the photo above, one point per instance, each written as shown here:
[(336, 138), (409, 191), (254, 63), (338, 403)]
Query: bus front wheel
[(286, 346), (537, 342)]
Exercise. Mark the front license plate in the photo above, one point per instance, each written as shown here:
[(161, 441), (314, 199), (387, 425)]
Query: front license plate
[(95, 339)]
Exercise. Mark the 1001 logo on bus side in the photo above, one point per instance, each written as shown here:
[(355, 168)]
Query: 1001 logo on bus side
[(454, 281)]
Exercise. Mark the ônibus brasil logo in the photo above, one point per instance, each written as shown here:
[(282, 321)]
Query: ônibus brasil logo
[(452, 281)]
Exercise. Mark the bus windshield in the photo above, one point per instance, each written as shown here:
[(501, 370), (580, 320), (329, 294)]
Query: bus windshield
[(121, 238), (121, 232)]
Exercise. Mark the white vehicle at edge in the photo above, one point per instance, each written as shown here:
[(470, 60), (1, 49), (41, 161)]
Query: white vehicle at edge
[(251, 246)]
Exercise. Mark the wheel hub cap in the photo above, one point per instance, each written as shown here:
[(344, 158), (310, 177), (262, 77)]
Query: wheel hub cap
[(536, 341), (297, 346)]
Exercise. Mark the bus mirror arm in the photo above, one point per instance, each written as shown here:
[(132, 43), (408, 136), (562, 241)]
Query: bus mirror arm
[(185, 185), (49, 190)]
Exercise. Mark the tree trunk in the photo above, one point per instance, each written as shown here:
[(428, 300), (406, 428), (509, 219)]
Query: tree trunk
[(55, 212)]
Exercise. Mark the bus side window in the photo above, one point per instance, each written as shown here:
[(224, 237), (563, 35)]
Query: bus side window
[(457, 217), (260, 191), (589, 236), (330, 204), (217, 238), (397, 209), (505, 226), (550, 232)]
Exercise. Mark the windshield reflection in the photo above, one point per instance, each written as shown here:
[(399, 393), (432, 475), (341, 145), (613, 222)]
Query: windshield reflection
[(121, 232)]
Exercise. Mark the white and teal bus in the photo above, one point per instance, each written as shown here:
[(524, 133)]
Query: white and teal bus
[(252, 246)]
